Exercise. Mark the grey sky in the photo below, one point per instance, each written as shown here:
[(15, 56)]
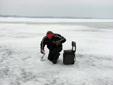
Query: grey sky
[(72, 8)]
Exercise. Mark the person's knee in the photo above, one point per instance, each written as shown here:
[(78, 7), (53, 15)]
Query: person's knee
[(50, 58)]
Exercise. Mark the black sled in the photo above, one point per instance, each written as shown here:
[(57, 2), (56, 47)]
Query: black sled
[(69, 55)]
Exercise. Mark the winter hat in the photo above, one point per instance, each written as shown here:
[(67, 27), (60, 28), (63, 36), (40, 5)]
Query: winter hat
[(49, 32)]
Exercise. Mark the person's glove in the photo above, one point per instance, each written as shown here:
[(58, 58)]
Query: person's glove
[(57, 43), (42, 51)]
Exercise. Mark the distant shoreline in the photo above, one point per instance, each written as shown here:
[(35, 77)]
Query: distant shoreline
[(62, 17)]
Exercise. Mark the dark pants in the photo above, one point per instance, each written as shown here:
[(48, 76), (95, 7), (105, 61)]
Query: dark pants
[(54, 54)]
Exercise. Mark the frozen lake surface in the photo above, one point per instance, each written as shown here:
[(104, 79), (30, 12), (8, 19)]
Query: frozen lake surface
[(20, 52)]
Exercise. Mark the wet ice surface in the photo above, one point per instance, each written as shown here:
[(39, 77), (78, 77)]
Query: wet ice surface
[(20, 53)]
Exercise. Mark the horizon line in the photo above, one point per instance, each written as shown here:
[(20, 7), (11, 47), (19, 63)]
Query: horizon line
[(69, 17)]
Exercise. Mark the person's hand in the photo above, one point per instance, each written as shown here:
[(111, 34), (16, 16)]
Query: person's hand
[(58, 43), (42, 51)]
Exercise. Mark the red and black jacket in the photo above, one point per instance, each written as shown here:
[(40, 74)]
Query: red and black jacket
[(51, 42)]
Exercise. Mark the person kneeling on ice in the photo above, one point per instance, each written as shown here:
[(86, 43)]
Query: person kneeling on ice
[(54, 44)]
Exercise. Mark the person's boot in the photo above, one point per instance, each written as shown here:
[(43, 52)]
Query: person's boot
[(54, 61)]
